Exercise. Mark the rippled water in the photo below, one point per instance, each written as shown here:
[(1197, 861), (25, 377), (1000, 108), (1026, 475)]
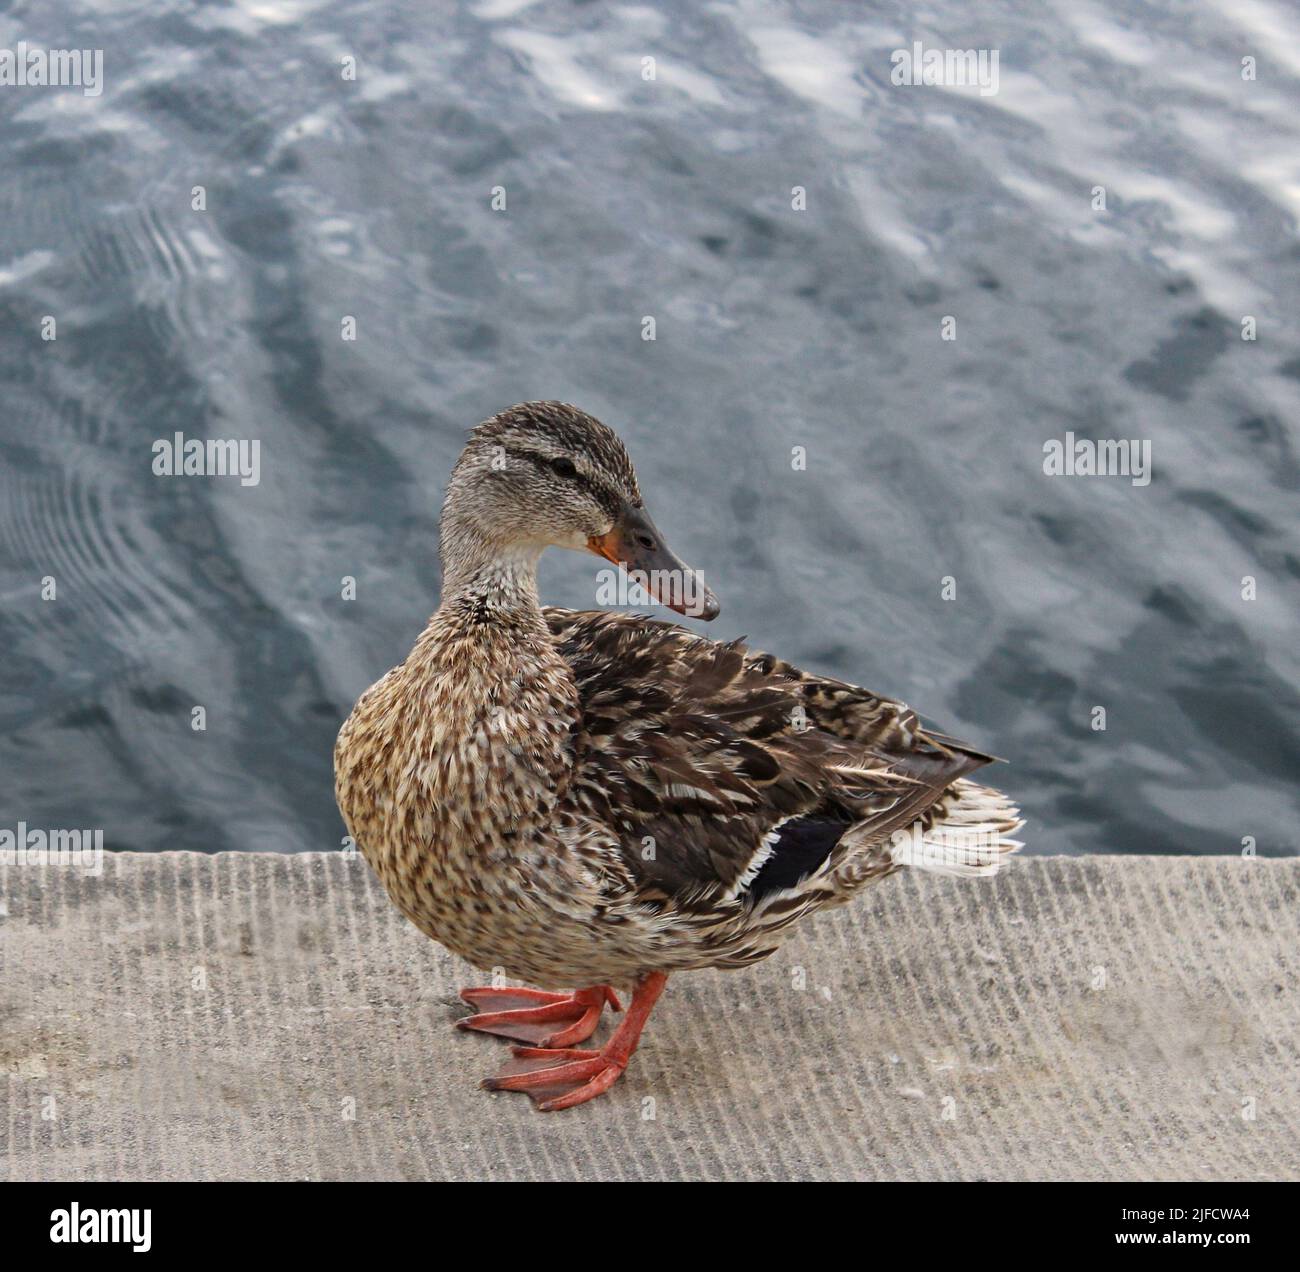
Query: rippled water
[(776, 328)]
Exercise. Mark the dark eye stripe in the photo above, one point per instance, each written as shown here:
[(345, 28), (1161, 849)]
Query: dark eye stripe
[(608, 499)]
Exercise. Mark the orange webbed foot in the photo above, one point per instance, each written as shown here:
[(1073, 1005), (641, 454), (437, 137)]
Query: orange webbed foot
[(538, 1016), (560, 1077)]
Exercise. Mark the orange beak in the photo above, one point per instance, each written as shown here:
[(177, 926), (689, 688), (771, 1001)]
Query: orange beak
[(637, 547)]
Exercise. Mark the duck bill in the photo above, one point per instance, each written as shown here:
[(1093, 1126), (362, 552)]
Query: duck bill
[(636, 545)]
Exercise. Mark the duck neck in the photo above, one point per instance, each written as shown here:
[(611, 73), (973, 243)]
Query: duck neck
[(504, 698), (487, 582)]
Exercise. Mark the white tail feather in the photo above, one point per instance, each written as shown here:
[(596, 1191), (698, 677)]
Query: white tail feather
[(967, 835)]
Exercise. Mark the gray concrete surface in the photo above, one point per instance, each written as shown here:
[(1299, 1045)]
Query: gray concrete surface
[(270, 1017)]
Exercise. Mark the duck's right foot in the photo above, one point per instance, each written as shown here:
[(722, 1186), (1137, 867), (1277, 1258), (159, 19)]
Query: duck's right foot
[(560, 1077), (537, 1016)]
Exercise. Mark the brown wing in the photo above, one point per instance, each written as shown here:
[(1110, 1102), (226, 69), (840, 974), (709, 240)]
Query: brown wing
[(730, 774)]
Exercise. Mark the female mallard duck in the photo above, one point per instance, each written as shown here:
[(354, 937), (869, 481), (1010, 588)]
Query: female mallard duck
[(575, 799)]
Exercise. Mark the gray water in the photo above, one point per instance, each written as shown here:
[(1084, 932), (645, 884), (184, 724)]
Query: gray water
[(776, 328)]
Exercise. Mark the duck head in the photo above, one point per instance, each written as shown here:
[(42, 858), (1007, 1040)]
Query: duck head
[(545, 474)]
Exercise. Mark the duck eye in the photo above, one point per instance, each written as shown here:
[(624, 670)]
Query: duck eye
[(563, 467)]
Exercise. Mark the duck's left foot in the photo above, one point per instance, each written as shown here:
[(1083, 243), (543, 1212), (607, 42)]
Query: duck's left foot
[(560, 1077), (537, 1016), (557, 1077)]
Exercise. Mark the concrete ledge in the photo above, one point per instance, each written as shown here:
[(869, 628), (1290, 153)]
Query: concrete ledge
[(195, 1017)]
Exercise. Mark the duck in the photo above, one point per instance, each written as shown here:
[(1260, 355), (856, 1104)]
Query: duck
[(584, 801)]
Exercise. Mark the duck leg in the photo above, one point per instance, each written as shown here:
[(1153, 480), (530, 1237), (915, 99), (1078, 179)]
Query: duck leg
[(537, 1016), (559, 1078)]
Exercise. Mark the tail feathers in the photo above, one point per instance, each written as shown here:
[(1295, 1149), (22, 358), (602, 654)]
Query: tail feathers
[(968, 833)]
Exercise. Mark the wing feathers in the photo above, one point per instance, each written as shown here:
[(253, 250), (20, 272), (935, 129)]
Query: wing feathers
[(746, 775)]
